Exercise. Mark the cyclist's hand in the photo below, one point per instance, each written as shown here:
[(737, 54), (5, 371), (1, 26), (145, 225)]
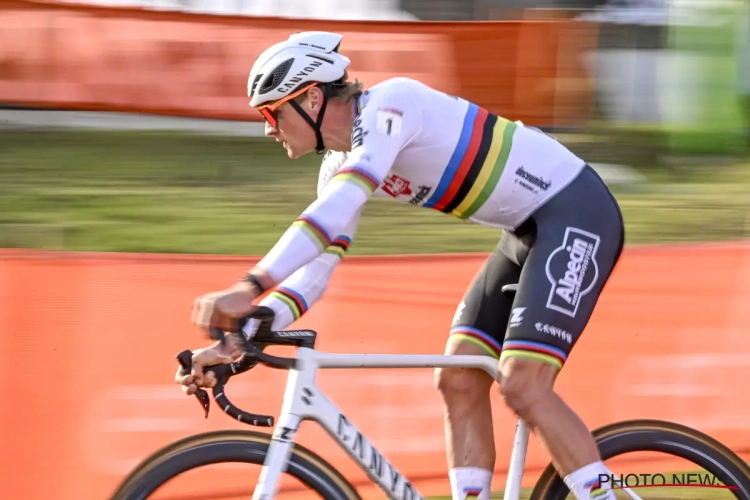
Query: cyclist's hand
[(208, 356), (224, 309)]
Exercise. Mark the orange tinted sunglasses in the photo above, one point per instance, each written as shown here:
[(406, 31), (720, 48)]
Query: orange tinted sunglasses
[(268, 111)]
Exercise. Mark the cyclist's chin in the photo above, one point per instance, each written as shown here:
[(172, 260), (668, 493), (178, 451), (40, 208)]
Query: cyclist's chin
[(295, 152)]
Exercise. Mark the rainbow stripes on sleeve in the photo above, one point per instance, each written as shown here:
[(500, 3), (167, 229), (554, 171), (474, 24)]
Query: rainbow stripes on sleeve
[(339, 246), (293, 300), (358, 176), (476, 164), (314, 230)]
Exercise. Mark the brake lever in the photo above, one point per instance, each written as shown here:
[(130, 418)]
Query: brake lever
[(251, 357), (217, 334), (186, 361)]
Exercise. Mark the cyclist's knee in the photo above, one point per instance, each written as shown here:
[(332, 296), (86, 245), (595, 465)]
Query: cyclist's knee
[(525, 383), (463, 383)]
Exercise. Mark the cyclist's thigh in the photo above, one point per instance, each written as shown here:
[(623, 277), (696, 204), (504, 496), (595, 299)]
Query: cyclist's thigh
[(579, 238), (482, 315)]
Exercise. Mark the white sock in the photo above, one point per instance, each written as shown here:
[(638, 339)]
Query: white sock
[(470, 483), (586, 483)]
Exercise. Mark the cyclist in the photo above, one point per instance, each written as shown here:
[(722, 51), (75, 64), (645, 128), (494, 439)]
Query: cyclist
[(563, 235)]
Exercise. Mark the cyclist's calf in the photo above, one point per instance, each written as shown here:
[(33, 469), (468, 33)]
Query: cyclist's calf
[(527, 388), (468, 414)]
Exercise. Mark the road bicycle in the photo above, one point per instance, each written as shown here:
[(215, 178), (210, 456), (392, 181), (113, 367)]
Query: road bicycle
[(277, 453)]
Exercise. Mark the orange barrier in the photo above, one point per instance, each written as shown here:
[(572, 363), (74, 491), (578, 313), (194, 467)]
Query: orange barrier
[(88, 344), (66, 56)]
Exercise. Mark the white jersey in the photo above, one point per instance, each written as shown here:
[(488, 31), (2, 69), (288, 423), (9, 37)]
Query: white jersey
[(441, 152), (420, 146)]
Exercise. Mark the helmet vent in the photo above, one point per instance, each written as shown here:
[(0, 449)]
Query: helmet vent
[(276, 77), (320, 58), (255, 83)]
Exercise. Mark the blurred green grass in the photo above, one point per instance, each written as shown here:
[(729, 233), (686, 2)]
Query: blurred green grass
[(183, 193)]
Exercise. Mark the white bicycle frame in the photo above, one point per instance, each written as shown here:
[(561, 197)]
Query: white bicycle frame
[(303, 400)]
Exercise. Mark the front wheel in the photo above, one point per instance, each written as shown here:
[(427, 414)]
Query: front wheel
[(659, 436), (227, 447)]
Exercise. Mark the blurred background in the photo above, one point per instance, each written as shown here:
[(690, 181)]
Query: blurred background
[(125, 134), (654, 93)]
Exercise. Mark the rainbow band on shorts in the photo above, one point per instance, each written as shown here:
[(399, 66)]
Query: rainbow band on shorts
[(478, 338), (536, 351), (525, 349)]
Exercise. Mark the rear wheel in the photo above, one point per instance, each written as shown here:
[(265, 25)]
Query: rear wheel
[(659, 436), (230, 447)]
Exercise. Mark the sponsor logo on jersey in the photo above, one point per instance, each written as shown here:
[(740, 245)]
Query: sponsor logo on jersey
[(516, 317), (422, 192), (528, 180), (572, 270), (554, 331), (396, 186), (358, 133)]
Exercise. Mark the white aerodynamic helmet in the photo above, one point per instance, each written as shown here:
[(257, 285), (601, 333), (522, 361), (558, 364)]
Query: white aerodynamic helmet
[(289, 68), (304, 58)]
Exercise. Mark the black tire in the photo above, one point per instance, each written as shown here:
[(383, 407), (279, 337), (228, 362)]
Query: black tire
[(660, 436), (225, 447)]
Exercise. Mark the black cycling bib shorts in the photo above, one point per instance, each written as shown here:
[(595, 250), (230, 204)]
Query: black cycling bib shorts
[(561, 257)]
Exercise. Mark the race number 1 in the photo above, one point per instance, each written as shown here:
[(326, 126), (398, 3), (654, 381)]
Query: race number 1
[(389, 121)]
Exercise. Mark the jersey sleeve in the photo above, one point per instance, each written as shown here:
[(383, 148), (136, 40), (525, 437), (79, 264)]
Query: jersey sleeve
[(384, 127), (295, 295)]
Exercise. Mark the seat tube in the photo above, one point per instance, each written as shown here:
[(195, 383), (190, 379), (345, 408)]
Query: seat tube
[(517, 462)]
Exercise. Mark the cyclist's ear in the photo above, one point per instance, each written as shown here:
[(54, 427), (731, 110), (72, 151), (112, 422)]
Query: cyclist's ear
[(313, 99)]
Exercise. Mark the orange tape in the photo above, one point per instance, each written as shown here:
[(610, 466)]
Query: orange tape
[(88, 344)]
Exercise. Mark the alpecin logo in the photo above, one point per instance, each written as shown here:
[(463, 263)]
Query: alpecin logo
[(572, 270)]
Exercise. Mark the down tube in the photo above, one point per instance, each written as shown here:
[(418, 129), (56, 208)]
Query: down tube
[(377, 466)]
